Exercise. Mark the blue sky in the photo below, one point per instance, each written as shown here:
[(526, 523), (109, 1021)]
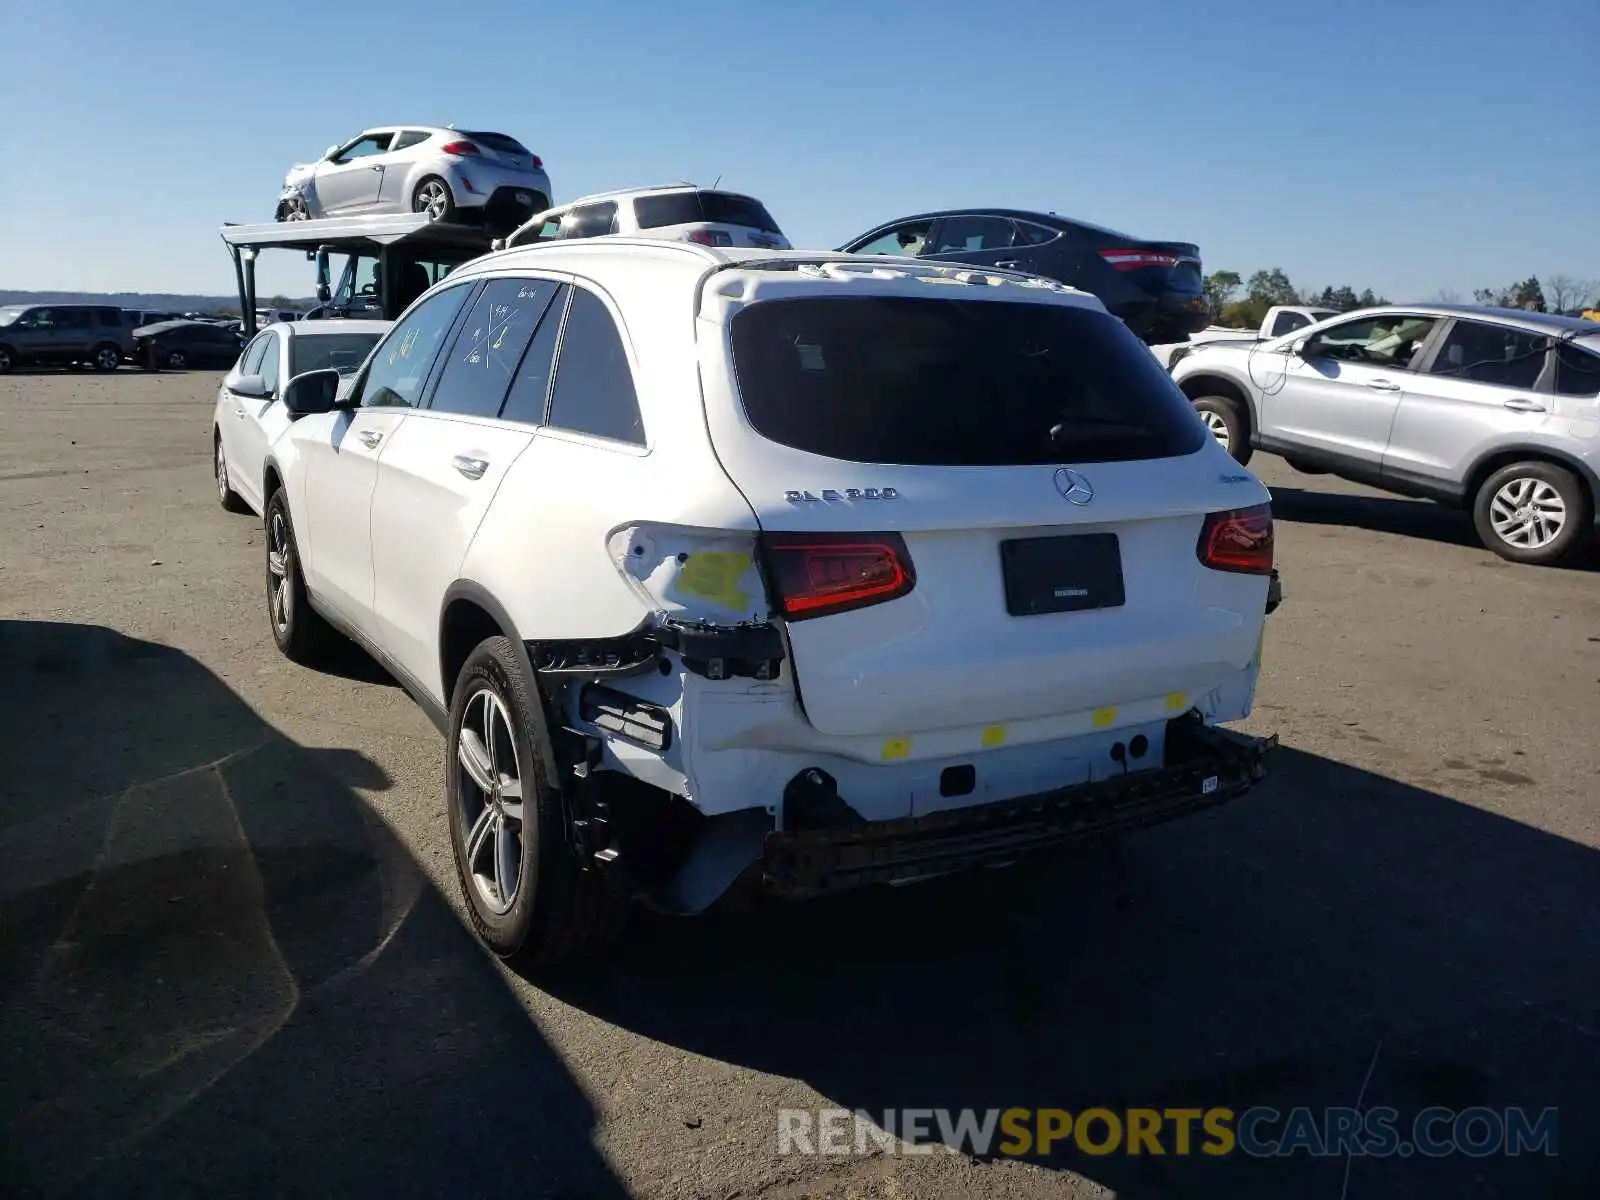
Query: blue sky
[(1375, 144)]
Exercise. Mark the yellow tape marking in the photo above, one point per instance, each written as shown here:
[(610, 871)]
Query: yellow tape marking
[(994, 735), (714, 576), (897, 748), (1104, 716), (1177, 701)]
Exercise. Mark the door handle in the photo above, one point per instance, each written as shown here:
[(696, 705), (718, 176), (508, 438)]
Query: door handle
[(371, 437), (239, 412), (1521, 405), (1383, 385), (472, 468), (375, 167)]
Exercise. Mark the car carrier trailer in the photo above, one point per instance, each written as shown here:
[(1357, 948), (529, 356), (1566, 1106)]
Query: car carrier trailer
[(399, 255)]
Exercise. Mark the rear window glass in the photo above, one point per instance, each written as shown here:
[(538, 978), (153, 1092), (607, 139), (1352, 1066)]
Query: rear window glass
[(499, 142), (685, 208), (344, 352), (928, 382), (1577, 372)]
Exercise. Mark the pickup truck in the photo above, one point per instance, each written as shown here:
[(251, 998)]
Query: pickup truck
[(1280, 319)]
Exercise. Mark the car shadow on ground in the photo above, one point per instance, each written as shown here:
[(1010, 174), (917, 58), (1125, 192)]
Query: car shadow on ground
[(1334, 937), (1396, 515), (221, 974)]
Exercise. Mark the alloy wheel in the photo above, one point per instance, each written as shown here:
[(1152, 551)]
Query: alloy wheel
[(433, 200), (177, 359), (222, 472), (296, 210), (1218, 427), (489, 791), (280, 561), (107, 359), (1527, 513)]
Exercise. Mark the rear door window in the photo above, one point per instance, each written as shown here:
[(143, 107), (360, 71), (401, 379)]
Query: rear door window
[(530, 390), (965, 383), (1577, 372), (962, 235), (593, 390), (1493, 354), (479, 366)]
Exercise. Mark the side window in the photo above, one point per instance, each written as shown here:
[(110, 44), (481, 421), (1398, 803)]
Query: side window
[(408, 137), (111, 318), (590, 220), (593, 391), (365, 147), (530, 390), (1577, 372), (960, 235), (1391, 340), (71, 318), (906, 240), (1494, 354), (1029, 234), (268, 367), (400, 365), (1288, 322), (35, 318), (479, 366), (250, 364)]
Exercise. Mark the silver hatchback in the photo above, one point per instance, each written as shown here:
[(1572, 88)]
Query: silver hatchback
[(1493, 410)]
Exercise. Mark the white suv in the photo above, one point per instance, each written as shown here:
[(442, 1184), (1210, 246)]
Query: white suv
[(801, 571), (679, 212)]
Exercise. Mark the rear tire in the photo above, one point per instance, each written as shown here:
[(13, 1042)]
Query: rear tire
[(297, 628), (1533, 512), (1226, 422), (8, 359), (526, 894), (433, 196), (231, 500), (106, 358)]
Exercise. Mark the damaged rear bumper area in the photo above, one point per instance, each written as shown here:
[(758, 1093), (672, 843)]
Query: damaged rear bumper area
[(1206, 766)]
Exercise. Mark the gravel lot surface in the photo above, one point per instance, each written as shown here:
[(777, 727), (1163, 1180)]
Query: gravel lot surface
[(232, 959)]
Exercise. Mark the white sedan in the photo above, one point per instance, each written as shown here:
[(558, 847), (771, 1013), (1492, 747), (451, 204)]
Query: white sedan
[(249, 415)]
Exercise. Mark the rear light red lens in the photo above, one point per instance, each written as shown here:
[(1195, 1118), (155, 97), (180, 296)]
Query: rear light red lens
[(536, 160), (1133, 258), (1239, 540), (461, 149), (815, 574), (709, 237)]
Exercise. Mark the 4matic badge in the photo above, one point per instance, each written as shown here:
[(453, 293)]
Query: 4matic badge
[(821, 494)]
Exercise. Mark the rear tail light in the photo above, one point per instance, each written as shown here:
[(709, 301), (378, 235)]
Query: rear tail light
[(462, 149), (1239, 540), (710, 237), (535, 160), (1137, 258), (815, 574)]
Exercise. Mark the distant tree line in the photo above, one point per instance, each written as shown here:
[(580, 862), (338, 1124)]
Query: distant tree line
[(1264, 289)]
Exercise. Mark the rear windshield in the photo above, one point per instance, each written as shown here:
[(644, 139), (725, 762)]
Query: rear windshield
[(685, 208), (317, 352), (961, 383), (499, 142)]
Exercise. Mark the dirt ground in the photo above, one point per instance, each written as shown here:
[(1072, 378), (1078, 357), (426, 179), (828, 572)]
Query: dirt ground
[(232, 960)]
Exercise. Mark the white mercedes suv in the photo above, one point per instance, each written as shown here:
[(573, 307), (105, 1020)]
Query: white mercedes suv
[(787, 570)]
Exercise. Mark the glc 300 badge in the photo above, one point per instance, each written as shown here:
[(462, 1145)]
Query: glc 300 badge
[(802, 497)]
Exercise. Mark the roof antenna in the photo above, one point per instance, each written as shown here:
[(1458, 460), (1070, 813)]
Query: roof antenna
[(716, 181)]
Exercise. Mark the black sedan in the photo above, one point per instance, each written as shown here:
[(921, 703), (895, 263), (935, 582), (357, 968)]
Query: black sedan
[(180, 344), (1155, 287)]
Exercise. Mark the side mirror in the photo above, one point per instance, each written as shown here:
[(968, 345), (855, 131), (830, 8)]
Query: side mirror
[(251, 385), (313, 392), (330, 152), (1299, 346)]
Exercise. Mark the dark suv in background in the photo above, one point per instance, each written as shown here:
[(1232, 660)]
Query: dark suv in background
[(63, 335), (1155, 287)]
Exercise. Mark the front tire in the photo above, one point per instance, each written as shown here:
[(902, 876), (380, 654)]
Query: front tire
[(230, 500), (8, 359), (1225, 422), (433, 196), (294, 209), (297, 628), (1532, 512), (526, 894)]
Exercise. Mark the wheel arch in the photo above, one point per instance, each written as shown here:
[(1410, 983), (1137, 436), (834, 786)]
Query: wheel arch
[(1504, 456), (1199, 385), (469, 614)]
